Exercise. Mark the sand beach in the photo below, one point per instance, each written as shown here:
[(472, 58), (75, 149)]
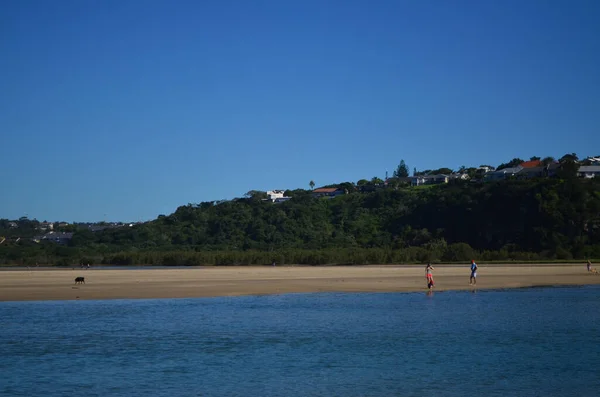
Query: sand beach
[(131, 283)]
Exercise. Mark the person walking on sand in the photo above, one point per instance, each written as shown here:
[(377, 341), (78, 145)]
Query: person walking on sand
[(429, 275), (473, 278)]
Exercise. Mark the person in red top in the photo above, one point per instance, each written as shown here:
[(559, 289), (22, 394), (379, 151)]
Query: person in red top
[(429, 275)]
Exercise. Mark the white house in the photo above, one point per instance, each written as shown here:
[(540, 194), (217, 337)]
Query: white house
[(485, 169), (273, 194), (277, 196), (428, 179), (461, 176), (589, 171)]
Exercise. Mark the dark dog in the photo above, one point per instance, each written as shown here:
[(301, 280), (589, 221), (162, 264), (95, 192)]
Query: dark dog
[(79, 280)]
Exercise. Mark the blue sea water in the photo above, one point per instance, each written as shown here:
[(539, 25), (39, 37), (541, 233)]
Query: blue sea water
[(526, 342)]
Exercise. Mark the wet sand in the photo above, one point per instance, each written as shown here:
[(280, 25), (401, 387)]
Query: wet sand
[(52, 284)]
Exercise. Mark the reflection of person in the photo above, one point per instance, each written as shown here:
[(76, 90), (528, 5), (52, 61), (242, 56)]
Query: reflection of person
[(429, 275), (473, 278)]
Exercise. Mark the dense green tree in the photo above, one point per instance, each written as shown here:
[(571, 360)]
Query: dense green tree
[(569, 157), (548, 160), (445, 171), (402, 170)]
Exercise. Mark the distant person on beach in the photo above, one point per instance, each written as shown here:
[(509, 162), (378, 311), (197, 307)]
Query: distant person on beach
[(473, 278), (590, 268), (429, 275)]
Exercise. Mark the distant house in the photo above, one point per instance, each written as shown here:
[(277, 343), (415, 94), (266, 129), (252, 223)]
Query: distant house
[(429, 179), (277, 196), (55, 237), (541, 171), (436, 179), (327, 192), (274, 194), (504, 173), (589, 171), (532, 172), (531, 164), (484, 169), (13, 225), (459, 176), (45, 226)]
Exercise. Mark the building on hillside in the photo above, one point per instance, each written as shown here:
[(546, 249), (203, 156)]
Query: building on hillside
[(589, 171), (531, 164), (43, 226), (429, 179), (504, 173), (281, 199), (277, 196), (417, 180), (484, 169), (55, 237), (327, 192), (532, 172), (542, 171), (13, 225), (459, 176), (273, 194)]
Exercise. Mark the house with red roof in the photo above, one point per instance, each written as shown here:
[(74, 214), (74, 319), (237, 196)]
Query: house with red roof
[(327, 192), (531, 164)]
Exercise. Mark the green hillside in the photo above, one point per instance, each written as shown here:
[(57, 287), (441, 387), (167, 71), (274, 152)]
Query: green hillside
[(508, 220)]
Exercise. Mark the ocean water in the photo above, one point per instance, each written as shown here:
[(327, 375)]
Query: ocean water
[(526, 342)]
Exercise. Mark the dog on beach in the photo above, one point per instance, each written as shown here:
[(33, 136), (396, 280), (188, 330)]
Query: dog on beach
[(79, 280)]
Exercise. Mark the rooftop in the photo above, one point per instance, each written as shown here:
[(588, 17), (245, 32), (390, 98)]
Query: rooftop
[(532, 163), (325, 190)]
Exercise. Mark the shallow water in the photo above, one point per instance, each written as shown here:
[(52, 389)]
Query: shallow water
[(528, 342)]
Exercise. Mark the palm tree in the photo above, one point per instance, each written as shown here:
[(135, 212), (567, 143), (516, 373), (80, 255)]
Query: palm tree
[(312, 185)]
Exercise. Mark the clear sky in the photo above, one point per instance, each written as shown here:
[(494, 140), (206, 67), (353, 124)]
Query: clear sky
[(124, 110)]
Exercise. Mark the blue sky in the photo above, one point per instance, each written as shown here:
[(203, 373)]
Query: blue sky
[(124, 110)]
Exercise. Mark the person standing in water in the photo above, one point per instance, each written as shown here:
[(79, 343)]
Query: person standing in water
[(473, 278), (429, 275)]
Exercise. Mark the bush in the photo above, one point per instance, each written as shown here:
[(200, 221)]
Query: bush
[(459, 252)]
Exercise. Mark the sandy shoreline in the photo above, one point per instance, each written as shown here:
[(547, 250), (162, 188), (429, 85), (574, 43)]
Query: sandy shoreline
[(45, 284)]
